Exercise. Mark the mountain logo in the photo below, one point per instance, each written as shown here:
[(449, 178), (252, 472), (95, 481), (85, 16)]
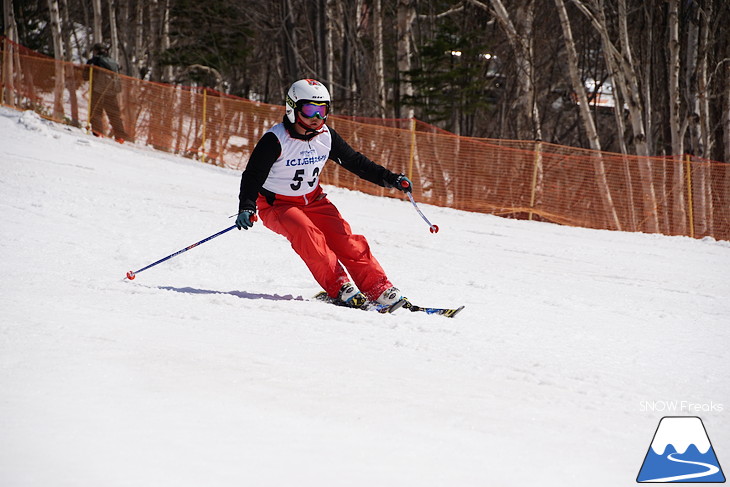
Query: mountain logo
[(681, 452)]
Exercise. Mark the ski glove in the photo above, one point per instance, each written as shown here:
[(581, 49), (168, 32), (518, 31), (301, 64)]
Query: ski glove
[(402, 183), (245, 219)]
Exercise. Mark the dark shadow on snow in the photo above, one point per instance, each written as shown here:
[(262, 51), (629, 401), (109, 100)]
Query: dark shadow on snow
[(238, 294)]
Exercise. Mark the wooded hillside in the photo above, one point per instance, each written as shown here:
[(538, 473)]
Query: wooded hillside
[(646, 77)]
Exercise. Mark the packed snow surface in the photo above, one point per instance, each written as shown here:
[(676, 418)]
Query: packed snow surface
[(214, 368)]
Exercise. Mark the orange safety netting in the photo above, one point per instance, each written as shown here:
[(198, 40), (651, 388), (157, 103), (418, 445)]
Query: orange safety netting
[(678, 195)]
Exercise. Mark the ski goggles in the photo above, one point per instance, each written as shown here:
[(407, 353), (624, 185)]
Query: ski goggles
[(311, 110)]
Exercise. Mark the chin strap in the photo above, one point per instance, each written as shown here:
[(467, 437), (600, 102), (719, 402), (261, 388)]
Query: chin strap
[(308, 130)]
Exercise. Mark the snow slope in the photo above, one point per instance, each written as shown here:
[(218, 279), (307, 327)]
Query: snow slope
[(205, 371)]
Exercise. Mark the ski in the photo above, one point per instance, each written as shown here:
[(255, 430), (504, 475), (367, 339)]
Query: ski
[(382, 308), (368, 306), (447, 312)]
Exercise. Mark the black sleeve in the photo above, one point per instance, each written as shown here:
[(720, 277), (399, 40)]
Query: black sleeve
[(266, 152), (358, 164), (85, 72)]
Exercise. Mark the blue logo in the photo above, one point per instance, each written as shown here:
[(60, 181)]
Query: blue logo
[(681, 452)]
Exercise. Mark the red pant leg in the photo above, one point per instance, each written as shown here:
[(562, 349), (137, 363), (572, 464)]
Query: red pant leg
[(323, 240), (353, 251), (307, 241)]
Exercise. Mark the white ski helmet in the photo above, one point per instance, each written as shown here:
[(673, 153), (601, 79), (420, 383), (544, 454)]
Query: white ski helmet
[(303, 91)]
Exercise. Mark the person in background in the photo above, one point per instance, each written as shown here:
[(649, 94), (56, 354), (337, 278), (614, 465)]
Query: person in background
[(105, 87), (281, 181)]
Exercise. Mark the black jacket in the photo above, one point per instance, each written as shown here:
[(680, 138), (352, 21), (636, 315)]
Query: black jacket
[(104, 81), (268, 150)]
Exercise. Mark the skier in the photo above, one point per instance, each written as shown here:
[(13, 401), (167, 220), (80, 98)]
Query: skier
[(281, 180), (106, 85)]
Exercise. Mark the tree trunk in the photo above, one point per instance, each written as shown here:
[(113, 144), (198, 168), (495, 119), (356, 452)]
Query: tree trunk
[(585, 115), (319, 33), (575, 80), (11, 28), (631, 89), (699, 113), (379, 59), (138, 57), (167, 73), (648, 69), (726, 131), (690, 84), (679, 220), (7, 96), (58, 55), (290, 43), (673, 88), (519, 34), (346, 59), (66, 29), (159, 40), (113, 30), (626, 81), (125, 36), (330, 61), (357, 84), (406, 15), (726, 112), (98, 32), (702, 85)]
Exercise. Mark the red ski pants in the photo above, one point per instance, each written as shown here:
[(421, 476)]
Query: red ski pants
[(324, 241)]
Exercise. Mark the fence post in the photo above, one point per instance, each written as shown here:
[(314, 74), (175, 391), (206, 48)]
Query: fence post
[(91, 89), (205, 118), (690, 201), (533, 191), (7, 69), (2, 81), (413, 148)]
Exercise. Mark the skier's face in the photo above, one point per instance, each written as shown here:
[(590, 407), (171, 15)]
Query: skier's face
[(312, 115), (310, 123)]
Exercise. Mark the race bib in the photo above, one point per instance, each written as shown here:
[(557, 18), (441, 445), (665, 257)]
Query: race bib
[(296, 171)]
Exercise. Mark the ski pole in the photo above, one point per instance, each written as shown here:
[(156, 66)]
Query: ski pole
[(132, 274), (433, 228)]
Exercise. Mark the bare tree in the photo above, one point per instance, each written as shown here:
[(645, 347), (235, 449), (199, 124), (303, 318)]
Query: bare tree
[(375, 49), (59, 65), (290, 41), (674, 68), (165, 37), (11, 28), (698, 116), (98, 31), (405, 16), (11, 32), (519, 34), (140, 38), (70, 81), (330, 50), (113, 32), (620, 62), (676, 129), (726, 110), (378, 54), (585, 115)]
